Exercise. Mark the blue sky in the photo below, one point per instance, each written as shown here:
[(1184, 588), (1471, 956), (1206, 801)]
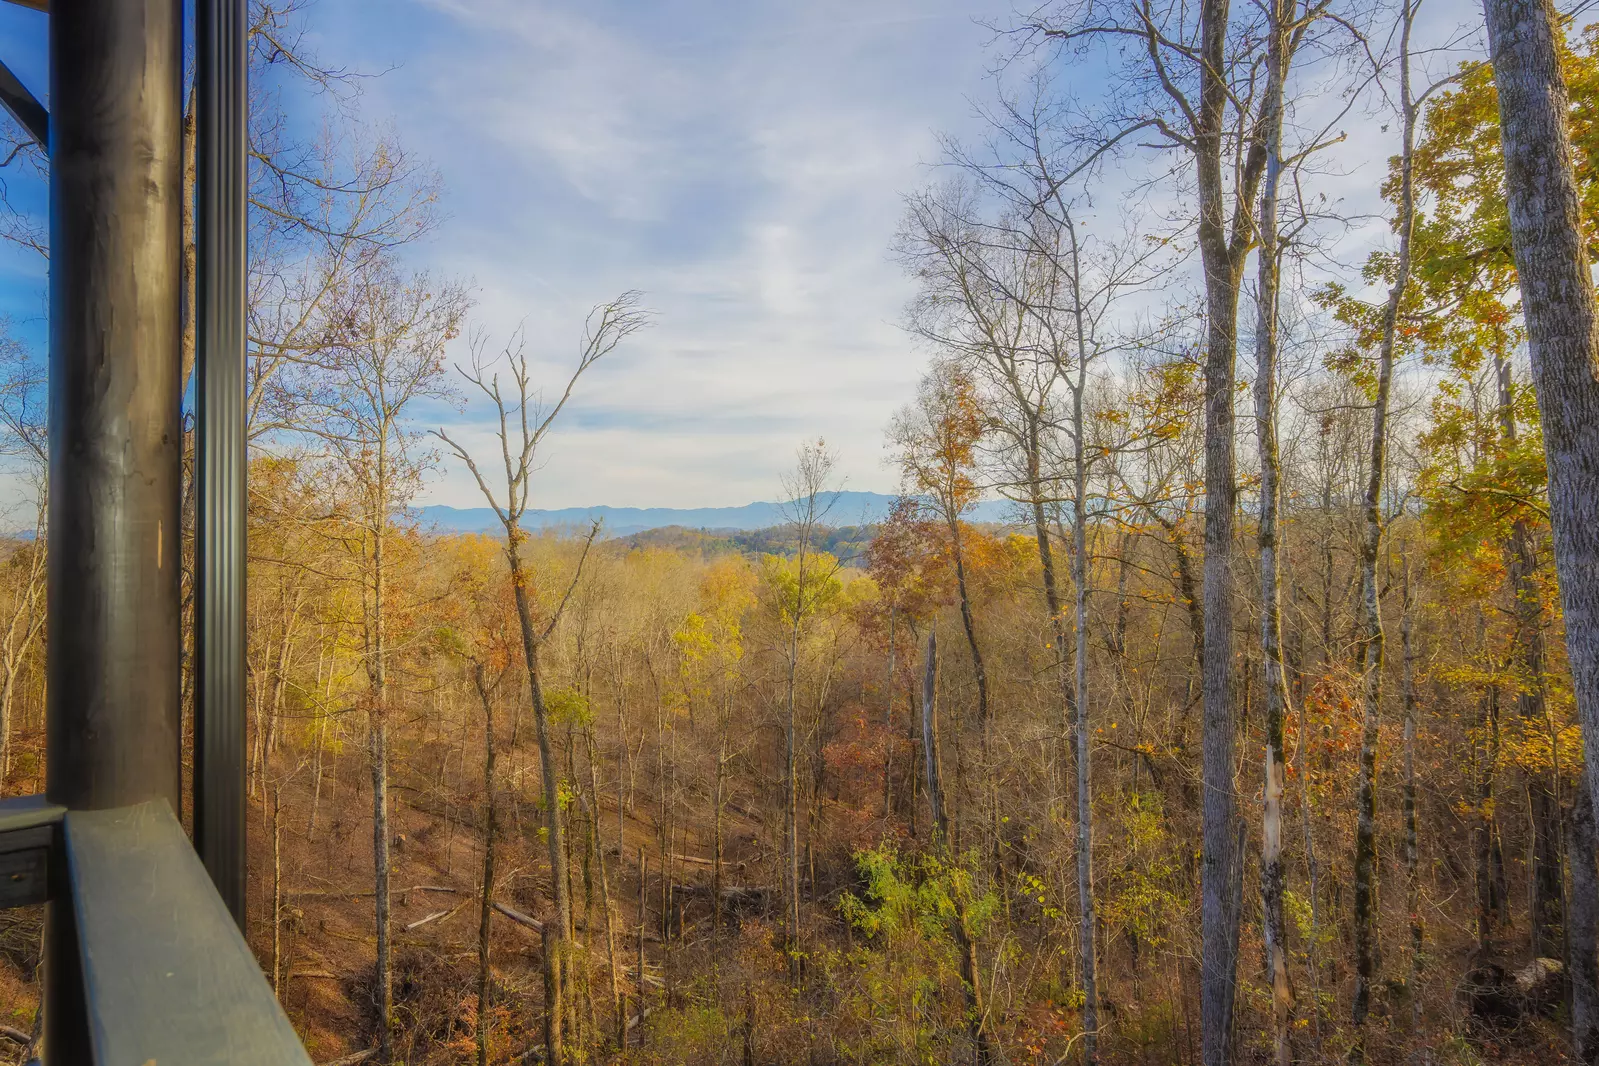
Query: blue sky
[(741, 163)]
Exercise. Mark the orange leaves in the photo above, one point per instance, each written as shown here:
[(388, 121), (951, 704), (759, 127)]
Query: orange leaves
[(935, 440)]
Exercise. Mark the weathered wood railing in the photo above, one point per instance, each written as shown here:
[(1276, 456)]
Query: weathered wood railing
[(166, 976)]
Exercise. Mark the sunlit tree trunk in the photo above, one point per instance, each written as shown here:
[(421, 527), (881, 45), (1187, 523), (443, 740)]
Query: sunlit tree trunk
[(378, 741), (557, 931), (1274, 679), (1529, 648), (1558, 301), (966, 947), (1412, 864), (486, 901), (1371, 629)]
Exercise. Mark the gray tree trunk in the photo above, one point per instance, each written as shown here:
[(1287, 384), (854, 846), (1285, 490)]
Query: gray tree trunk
[(1582, 933), (1371, 631), (976, 1017), (1557, 294), (486, 907), (1274, 680), (1223, 247), (556, 932), (1521, 568), (1412, 863), (1088, 940)]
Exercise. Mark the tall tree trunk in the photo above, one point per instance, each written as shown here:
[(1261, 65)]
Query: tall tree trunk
[(277, 891), (718, 804), (618, 1013), (1582, 932), (960, 927), (1046, 566), (1412, 864), (1222, 254), (486, 906), (930, 751), (1371, 642), (1488, 901), (1312, 872), (791, 798), (643, 895), (1088, 940), (1274, 678), (1521, 567), (379, 744), (888, 724), (1273, 681), (556, 932), (7, 688), (1557, 295), (969, 625)]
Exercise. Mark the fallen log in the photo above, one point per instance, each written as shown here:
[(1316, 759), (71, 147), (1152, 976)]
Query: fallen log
[(435, 916), (519, 918), (695, 860), (334, 893)]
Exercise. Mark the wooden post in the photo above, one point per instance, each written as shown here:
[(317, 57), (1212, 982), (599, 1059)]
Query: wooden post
[(116, 182)]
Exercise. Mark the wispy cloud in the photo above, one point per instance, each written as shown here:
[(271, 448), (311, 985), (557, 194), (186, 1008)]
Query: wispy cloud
[(742, 164)]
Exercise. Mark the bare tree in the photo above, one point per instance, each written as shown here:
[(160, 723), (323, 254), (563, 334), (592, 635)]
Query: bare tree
[(1188, 81), (1371, 636), (390, 334), (809, 497), (524, 422), (22, 440)]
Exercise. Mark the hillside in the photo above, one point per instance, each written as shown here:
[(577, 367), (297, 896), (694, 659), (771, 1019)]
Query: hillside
[(847, 543), (848, 509)]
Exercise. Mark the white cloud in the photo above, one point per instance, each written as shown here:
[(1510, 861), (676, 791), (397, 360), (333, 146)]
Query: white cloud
[(740, 164)]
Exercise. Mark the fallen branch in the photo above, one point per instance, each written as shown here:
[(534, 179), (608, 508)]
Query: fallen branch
[(16, 1036), (435, 916), (695, 860), (648, 979), (334, 893), (519, 918)]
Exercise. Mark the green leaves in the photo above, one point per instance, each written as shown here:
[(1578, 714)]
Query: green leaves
[(917, 895), (567, 706)]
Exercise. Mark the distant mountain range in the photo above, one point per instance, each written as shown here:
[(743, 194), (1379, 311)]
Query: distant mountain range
[(848, 509)]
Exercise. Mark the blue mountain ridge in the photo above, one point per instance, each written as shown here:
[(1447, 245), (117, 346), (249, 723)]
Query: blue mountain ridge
[(848, 509)]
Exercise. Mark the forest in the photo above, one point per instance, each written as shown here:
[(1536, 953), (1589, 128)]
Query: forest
[(1255, 734)]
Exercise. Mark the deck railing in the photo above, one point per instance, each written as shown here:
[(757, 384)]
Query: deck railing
[(163, 973)]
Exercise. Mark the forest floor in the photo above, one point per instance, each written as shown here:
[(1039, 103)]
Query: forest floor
[(327, 945)]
